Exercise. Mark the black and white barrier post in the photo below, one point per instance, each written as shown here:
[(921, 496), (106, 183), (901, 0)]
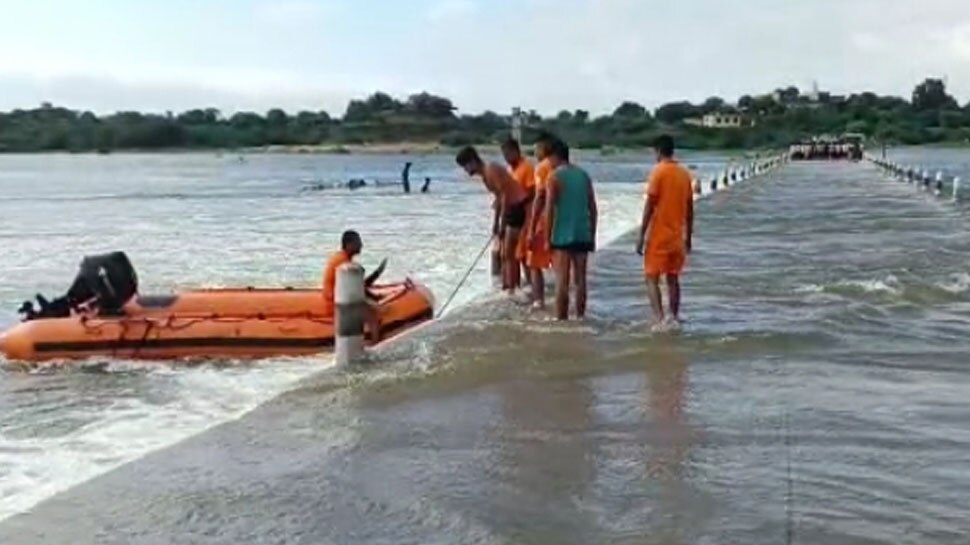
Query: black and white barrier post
[(351, 314), (732, 175), (921, 177)]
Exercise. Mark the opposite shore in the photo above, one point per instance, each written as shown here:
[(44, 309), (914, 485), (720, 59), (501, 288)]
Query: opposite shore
[(425, 123)]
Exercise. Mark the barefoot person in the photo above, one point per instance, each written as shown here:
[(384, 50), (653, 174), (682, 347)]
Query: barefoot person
[(667, 229), (350, 247), (510, 208), (571, 218), (539, 255), (521, 169)]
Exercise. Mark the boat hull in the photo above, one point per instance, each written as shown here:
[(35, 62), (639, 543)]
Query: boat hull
[(232, 324)]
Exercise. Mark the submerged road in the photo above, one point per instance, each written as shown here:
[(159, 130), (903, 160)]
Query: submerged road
[(817, 396)]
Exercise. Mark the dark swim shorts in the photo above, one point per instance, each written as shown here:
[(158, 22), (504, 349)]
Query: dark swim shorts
[(515, 215), (575, 247)]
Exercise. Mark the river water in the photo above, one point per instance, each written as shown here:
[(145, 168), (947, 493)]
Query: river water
[(817, 394), (206, 220)]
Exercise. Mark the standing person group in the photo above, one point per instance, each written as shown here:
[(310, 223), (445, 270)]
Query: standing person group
[(543, 216), (547, 216)]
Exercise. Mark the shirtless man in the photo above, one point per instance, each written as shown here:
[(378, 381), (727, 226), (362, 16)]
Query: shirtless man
[(511, 201)]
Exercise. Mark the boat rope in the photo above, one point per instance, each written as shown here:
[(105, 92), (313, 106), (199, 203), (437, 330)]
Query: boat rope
[(464, 279)]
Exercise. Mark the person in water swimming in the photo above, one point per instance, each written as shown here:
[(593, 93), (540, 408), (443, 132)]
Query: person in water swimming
[(350, 247), (667, 230), (510, 204), (521, 169), (571, 219), (406, 177)]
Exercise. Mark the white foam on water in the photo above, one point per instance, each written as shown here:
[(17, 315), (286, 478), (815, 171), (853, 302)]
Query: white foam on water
[(890, 285), (958, 283), (36, 468)]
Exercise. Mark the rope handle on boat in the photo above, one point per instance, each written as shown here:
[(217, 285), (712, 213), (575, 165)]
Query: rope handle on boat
[(488, 244)]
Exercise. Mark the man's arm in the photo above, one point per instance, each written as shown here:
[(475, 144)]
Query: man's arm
[(496, 215), (690, 223), (648, 206), (653, 193), (538, 208), (593, 210), (552, 192)]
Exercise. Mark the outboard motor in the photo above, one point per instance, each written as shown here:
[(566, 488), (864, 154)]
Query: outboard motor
[(105, 281)]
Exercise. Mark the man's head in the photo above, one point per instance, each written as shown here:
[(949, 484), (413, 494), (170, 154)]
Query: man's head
[(350, 242), (511, 151), (664, 145), (544, 144), (558, 152), (469, 160)]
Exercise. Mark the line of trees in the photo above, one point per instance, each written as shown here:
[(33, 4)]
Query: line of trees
[(930, 115)]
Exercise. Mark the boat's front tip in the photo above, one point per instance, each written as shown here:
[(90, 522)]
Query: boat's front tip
[(3, 345), (427, 294), (15, 344)]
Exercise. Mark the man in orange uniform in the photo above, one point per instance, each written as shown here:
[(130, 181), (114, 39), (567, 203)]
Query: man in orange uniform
[(511, 203), (540, 254), (667, 229), (521, 169), (350, 246)]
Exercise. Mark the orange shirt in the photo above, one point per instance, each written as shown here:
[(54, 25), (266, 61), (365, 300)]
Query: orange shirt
[(670, 188), (524, 174), (543, 173), (330, 280)]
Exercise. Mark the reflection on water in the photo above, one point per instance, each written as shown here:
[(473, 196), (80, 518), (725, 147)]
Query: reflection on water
[(545, 458)]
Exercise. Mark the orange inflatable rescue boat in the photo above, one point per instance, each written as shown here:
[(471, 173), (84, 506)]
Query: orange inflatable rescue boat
[(103, 315)]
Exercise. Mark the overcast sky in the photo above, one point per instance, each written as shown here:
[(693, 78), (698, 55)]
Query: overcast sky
[(548, 55)]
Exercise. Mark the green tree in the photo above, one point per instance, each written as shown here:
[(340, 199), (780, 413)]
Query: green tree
[(630, 110), (931, 95)]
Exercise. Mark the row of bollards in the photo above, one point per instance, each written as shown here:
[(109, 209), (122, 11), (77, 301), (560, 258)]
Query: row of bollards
[(920, 177), (737, 174)]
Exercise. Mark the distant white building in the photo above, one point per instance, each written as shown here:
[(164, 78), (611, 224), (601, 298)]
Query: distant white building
[(721, 120), (728, 119)]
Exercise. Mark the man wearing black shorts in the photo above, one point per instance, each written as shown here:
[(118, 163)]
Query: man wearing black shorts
[(510, 205)]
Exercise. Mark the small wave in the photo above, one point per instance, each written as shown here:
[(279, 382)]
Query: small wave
[(958, 283), (888, 285)]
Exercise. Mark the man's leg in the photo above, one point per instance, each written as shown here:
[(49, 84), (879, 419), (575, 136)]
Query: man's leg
[(653, 263), (673, 294), (509, 262), (580, 261), (538, 288), (653, 292), (562, 285)]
